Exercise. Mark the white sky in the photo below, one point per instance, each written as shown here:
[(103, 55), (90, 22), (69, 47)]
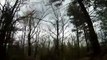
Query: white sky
[(38, 7)]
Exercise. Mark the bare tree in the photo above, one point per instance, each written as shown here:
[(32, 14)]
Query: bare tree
[(6, 24)]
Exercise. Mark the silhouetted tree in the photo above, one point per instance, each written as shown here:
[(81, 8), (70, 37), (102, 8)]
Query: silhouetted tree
[(93, 36), (7, 25)]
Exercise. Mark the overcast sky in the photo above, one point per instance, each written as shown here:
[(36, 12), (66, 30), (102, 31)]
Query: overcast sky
[(37, 4)]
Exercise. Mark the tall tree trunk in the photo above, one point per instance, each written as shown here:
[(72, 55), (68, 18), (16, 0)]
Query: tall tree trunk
[(77, 42), (93, 36), (57, 42), (29, 39)]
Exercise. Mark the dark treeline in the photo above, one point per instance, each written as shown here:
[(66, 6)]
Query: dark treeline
[(52, 30)]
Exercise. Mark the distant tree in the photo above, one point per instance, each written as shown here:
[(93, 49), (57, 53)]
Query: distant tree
[(58, 30)]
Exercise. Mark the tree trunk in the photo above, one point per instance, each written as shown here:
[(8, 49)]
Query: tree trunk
[(2, 45), (78, 51), (57, 42), (29, 39), (93, 36), (29, 46), (2, 52)]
